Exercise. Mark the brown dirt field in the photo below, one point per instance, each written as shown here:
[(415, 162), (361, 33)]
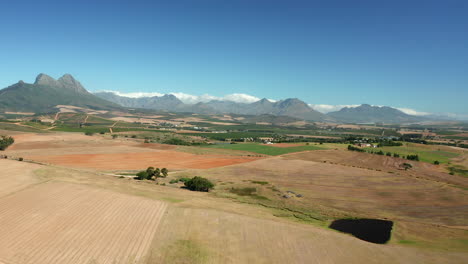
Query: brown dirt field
[(80, 151), (67, 223), (16, 175), (134, 161), (210, 236)]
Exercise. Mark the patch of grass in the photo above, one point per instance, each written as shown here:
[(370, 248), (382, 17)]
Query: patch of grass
[(264, 149), (247, 191), (407, 242), (458, 170), (186, 251)]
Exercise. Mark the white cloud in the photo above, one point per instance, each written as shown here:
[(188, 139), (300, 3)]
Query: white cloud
[(193, 99), (134, 95), (325, 108), (410, 111)]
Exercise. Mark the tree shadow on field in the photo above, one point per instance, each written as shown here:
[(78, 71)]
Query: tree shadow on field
[(370, 230)]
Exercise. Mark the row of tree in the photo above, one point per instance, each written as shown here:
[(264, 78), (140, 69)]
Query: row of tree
[(5, 142), (414, 157)]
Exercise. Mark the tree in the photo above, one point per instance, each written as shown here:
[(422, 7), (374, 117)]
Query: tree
[(142, 175), (164, 172), (157, 173), (5, 141), (199, 184)]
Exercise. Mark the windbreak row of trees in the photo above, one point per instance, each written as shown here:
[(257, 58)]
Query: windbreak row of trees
[(414, 157)]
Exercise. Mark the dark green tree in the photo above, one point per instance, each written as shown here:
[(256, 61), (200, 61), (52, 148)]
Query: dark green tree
[(164, 172), (199, 184), (157, 173)]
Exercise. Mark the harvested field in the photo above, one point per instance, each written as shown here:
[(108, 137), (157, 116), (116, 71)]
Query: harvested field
[(67, 223), (16, 175), (211, 236)]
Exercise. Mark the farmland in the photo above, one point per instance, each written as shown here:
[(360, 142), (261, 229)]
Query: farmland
[(73, 198)]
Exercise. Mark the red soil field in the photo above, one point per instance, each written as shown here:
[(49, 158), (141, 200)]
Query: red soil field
[(136, 161)]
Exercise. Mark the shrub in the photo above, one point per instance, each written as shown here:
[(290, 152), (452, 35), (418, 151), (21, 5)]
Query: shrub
[(379, 153), (407, 166), (134, 136), (102, 132), (173, 181), (142, 175), (389, 154), (396, 155), (436, 162), (260, 182), (114, 136), (199, 184), (89, 133), (20, 159)]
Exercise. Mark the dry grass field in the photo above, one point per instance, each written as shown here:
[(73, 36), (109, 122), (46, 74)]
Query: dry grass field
[(56, 222)]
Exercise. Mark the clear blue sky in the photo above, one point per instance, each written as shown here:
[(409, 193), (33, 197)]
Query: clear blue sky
[(398, 53)]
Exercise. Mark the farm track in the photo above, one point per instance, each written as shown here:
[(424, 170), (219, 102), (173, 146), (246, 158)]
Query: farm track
[(66, 223)]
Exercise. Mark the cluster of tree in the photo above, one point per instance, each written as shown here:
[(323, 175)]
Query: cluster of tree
[(5, 142), (177, 141), (151, 173), (199, 184), (413, 157), (353, 148)]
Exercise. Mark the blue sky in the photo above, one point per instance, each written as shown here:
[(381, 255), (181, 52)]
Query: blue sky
[(410, 54)]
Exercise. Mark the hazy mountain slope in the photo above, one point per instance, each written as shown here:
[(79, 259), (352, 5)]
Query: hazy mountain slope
[(46, 93), (371, 114), (165, 102)]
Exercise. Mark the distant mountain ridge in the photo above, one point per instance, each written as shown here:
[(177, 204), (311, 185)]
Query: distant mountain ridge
[(46, 93), (366, 113), (291, 107)]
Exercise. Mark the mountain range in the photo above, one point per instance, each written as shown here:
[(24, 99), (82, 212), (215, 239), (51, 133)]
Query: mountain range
[(292, 107), (46, 93)]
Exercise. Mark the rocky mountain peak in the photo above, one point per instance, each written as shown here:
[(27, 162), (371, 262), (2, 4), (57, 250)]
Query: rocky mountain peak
[(68, 81), (44, 79)]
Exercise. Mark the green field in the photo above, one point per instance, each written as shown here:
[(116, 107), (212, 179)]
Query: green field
[(264, 149), (424, 152)]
